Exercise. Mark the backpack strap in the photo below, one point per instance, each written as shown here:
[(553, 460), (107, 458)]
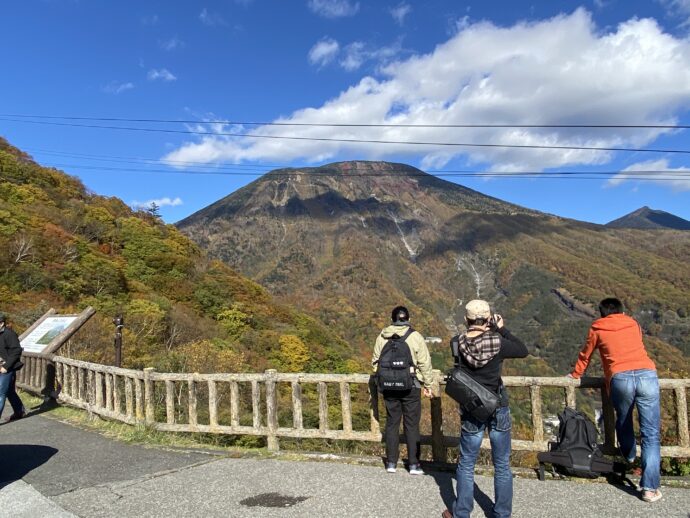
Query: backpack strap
[(407, 333), (403, 339), (455, 349)]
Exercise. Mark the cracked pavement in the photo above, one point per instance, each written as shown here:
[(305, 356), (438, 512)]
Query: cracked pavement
[(54, 470)]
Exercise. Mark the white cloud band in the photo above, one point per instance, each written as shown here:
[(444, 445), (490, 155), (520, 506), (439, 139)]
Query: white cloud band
[(563, 70)]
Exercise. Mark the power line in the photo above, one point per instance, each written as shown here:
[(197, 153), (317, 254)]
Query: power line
[(264, 168), (154, 161), (355, 141), (350, 125), (643, 175)]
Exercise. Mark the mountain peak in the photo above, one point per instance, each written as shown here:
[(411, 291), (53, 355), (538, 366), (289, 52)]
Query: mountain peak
[(356, 190), (649, 219)]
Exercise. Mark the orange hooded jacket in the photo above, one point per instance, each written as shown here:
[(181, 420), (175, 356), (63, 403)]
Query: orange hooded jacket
[(619, 340)]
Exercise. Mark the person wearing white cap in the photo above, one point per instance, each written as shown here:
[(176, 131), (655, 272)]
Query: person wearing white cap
[(480, 352)]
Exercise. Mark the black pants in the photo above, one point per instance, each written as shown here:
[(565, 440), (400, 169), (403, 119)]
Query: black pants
[(407, 405)]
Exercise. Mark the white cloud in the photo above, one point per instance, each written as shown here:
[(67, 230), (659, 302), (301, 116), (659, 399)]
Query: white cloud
[(160, 202), (678, 8), (323, 52), (211, 18), (333, 8), (400, 11), (357, 53), (677, 178), (563, 70), (152, 19), (163, 74), (171, 44), (117, 87)]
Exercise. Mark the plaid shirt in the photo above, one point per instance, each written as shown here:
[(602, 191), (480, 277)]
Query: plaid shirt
[(478, 350)]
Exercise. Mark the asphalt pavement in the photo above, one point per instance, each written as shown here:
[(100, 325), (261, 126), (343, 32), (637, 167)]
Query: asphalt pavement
[(50, 469)]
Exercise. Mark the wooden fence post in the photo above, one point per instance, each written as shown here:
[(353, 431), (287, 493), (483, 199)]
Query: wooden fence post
[(170, 402), (537, 420), (374, 407), (192, 401), (297, 420), (322, 389), (150, 415), (271, 410), (682, 417), (212, 404), (609, 423), (346, 406), (438, 448)]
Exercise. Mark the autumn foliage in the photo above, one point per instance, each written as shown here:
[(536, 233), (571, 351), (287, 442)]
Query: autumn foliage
[(64, 247)]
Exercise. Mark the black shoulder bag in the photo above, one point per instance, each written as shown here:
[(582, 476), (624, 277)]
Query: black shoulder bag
[(474, 398)]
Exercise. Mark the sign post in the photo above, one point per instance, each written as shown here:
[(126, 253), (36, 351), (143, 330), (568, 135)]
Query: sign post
[(46, 336), (51, 331)]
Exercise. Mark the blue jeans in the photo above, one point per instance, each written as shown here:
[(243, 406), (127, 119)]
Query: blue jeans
[(639, 388), (7, 391), (470, 440)]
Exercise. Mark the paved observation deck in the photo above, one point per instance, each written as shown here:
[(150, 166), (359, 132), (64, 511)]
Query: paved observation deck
[(52, 469)]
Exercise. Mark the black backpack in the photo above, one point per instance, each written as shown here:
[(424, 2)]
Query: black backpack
[(576, 451), (395, 368)]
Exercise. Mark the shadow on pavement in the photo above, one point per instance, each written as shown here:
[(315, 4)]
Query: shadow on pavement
[(484, 501), (20, 459), (444, 481), (46, 406)]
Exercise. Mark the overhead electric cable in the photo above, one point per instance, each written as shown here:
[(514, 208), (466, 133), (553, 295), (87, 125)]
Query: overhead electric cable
[(348, 125), (646, 175), (267, 168), (357, 141)]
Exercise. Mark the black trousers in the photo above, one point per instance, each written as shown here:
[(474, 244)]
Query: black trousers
[(407, 405)]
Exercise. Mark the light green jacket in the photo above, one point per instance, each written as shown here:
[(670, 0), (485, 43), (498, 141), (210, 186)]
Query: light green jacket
[(418, 348)]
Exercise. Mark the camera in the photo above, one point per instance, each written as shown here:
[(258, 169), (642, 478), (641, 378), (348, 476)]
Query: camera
[(494, 319)]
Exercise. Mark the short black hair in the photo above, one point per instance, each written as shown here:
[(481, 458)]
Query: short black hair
[(476, 321), (3, 318), (610, 306), (400, 314)]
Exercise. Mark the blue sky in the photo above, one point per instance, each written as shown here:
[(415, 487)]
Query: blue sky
[(435, 62)]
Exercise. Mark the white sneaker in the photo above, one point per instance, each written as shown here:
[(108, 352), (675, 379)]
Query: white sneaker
[(415, 469), (390, 467)]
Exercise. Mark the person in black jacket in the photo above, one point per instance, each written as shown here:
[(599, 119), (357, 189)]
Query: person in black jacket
[(481, 351), (10, 356)]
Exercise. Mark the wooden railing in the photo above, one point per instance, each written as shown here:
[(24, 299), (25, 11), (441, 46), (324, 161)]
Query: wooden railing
[(153, 398)]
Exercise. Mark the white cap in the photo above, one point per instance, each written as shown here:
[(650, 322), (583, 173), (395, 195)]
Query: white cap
[(477, 309)]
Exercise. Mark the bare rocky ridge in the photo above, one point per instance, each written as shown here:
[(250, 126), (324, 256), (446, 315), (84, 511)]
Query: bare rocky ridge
[(646, 218), (347, 241)]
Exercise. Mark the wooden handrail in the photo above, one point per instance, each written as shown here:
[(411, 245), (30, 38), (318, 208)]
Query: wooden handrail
[(154, 398)]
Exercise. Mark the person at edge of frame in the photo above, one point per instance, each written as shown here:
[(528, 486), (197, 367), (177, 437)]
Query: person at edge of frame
[(482, 349), (10, 358), (631, 381), (404, 404)]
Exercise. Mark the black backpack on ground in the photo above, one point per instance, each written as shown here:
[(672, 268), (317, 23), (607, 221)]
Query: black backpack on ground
[(395, 368), (576, 452)]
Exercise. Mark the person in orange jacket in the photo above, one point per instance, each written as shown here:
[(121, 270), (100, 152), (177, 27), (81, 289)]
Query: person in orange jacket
[(632, 381)]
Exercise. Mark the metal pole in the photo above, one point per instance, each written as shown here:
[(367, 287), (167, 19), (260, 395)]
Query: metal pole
[(119, 322)]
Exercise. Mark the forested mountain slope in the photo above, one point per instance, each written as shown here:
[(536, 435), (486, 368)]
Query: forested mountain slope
[(64, 247), (347, 241)]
